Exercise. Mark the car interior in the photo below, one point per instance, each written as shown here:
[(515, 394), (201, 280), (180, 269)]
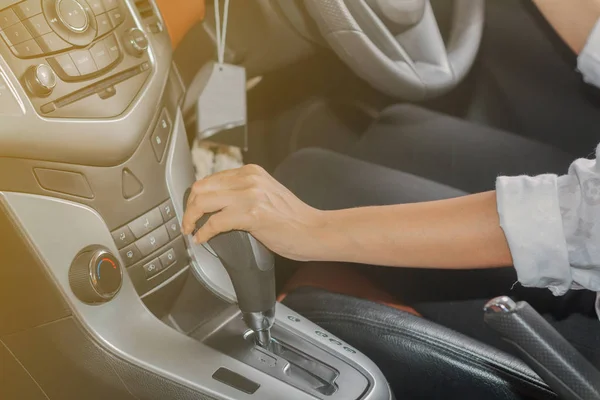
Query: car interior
[(110, 110)]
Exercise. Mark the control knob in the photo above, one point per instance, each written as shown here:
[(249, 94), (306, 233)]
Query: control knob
[(95, 275), (136, 42), (40, 80)]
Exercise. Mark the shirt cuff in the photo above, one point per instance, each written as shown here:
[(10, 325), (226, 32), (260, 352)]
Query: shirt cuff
[(530, 217), (588, 62)]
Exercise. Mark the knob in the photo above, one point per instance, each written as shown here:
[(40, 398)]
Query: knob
[(73, 15), (40, 80), (95, 276), (136, 42)]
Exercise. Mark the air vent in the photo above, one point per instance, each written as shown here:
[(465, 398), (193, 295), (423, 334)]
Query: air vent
[(145, 9)]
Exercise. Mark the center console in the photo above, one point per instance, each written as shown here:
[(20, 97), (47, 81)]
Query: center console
[(112, 301)]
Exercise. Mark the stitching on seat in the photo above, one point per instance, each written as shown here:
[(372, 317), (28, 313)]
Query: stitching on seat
[(444, 346)]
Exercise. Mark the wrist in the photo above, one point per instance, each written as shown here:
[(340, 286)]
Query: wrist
[(329, 236)]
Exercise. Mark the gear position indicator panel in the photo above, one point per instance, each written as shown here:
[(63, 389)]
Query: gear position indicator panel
[(92, 48)]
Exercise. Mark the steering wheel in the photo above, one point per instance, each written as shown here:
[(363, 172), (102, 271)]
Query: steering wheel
[(396, 45)]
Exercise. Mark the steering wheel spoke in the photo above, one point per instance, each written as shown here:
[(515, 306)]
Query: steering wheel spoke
[(397, 46)]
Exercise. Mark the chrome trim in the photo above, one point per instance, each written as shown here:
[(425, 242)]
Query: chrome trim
[(502, 304)]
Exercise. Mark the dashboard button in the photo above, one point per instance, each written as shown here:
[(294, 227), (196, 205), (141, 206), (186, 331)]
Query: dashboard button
[(40, 80), (37, 25), (29, 8), (64, 66), (72, 14), (100, 55), (160, 135), (26, 49), (166, 209), (146, 223), (173, 228), (104, 24), (123, 237), (113, 48), (50, 43), (8, 102), (83, 61), (152, 268), (8, 18), (116, 17), (97, 6), (110, 4), (130, 254), (153, 241), (168, 259), (16, 34)]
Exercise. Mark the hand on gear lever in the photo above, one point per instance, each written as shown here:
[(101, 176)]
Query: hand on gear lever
[(251, 267)]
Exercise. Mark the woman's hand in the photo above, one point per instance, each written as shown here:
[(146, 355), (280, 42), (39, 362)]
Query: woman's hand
[(249, 199)]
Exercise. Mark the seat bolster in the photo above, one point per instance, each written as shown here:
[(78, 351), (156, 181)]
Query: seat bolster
[(420, 358)]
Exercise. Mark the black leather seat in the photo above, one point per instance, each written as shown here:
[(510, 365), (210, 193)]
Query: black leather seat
[(421, 359), (410, 154)]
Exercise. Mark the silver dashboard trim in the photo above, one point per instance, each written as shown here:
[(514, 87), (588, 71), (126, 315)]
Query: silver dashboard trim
[(180, 176), (59, 229)]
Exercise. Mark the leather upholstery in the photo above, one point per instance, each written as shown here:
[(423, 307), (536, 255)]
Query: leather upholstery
[(421, 359)]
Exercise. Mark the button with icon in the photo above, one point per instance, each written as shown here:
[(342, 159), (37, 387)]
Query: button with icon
[(152, 268), (130, 254), (173, 228), (160, 135), (168, 258), (123, 237)]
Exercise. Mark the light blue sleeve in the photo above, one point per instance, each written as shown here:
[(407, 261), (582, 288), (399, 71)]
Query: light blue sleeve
[(552, 225)]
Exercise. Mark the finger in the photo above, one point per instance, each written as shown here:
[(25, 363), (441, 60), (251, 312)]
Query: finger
[(226, 220), (225, 180), (206, 203)]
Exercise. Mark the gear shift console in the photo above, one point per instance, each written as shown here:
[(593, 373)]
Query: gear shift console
[(250, 266)]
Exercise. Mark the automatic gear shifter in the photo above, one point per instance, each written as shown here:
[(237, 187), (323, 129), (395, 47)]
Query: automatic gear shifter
[(250, 266)]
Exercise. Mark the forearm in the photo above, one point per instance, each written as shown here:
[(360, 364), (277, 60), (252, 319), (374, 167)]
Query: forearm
[(457, 233), (573, 20)]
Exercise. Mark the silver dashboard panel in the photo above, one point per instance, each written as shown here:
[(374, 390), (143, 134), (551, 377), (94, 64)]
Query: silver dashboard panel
[(100, 142), (59, 229), (180, 176)]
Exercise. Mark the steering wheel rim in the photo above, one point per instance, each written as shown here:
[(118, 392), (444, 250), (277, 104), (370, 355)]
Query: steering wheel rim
[(414, 64)]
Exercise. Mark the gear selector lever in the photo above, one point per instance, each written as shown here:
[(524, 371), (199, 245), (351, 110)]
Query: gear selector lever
[(251, 267)]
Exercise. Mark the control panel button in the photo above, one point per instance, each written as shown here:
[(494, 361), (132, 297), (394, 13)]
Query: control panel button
[(116, 17), (136, 42), (123, 237), (83, 61), (160, 135), (110, 4), (152, 268), (30, 48), (64, 66), (37, 25), (167, 211), (146, 223), (168, 259), (16, 34), (51, 43), (95, 276), (173, 228), (97, 6), (29, 8), (8, 18), (100, 55), (8, 102), (104, 24), (113, 48), (153, 241), (130, 254), (40, 80), (72, 14)]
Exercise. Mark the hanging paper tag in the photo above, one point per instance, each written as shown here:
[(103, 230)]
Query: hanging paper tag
[(222, 102)]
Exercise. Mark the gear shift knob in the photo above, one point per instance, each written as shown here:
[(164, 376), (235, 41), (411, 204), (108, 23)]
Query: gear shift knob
[(251, 267)]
